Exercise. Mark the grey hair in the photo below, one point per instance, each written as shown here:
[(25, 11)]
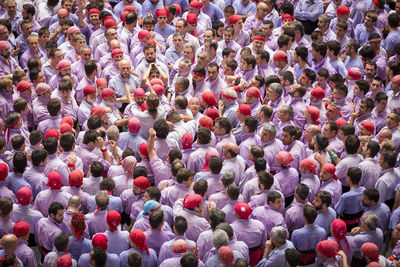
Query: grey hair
[(78, 37), (220, 238), (112, 133), (288, 110), (371, 220), (190, 46), (278, 233), (270, 128), (314, 129), (186, 62), (184, 82), (178, 34), (277, 87), (86, 47), (228, 175), (325, 18), (335, 105)]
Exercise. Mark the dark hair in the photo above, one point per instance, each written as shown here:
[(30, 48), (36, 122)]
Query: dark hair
[(90, 66), (161, 127), (352, 144), (354, 175), (200, 187), (6, 206), (50, 144), (107, 184), (19, 162), (334, 46), (273, 196), (266, 179), (180, 225), (333, 126), (215, 165), (37, 156), (251, 123), (292, 257), (203, 136), (347, 129), (17, 142), (224, 123), (326, 197), (320, 47), (257, 151), (372, 194), (99, 256), (55, 207), (156, 219), (96, 169), (61, 242), (302, 191), (260, 164), (35, 137), (54, 106), (94, 122), (90, 136), (134, 259), (67, 141), (227, 228), (310, 213), (302, 52), (374, 148), (217, 216), (233, 191), (390, 158), (189, 259), (369, 103), (154, 193)]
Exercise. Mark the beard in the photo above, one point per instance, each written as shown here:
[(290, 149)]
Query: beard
[(311, 146), (318, 207)]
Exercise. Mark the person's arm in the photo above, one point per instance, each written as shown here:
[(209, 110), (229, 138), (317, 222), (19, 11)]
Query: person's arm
[(396, 200), (81, 21), (153, 37), (128, 93), (113, 146), (103, 149), (268, 248), (164, 76), (150, 144), (146, 76), (121, 122), (55, 34), (344, 257)]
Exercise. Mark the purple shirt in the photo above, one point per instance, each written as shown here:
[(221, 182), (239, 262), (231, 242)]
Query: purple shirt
[(155, 238), (313, 183), (294, 216), (118, 241), (45, 198), (55, 164), (147, 259), (25, 253), (48, 230), (352, 160), (371, 171), (334, 187), (172, 193), (250, 231), (6, 226), (5, 192), (288, 179), (248, 140), (96, 222), (26, 214), (269, 218), (197, 158), (40, 112)]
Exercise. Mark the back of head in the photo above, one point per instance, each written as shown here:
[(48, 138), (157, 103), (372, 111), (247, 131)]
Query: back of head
[(61, 242), (134, 259), (217, 216), (102, 200), (99, 256), (189, 259)]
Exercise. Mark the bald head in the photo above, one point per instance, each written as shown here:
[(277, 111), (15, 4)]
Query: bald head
[(384, 134), (9, 242), (114, 43), (124, 68), (230, 150)]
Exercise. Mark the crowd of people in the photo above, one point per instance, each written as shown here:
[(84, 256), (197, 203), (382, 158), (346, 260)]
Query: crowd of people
[(199, 133)]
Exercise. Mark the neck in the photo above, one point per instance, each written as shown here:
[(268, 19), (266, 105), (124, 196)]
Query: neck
[(353, 56), (302, 64), (308, 224), (369, 28), (323, 208), (354, 186)]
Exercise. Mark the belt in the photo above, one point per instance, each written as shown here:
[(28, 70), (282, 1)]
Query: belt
[(351, 219), (308, 256), (254, 248)]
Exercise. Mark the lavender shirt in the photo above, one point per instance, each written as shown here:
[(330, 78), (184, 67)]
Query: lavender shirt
[(269, 218), (48, 230)]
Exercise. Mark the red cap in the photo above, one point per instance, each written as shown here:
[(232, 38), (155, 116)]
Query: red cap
[(54, 180), (94, 11), (340, 123), (180, 246), (62, 64), (234, 18), (116, 51), (259, 38), (330, 168), (178, 9), (396, 79), (207, 122), (106, 18), (52, 133), (100, 241), (68, 120), (76, 178), (314, 113), (368, 125), (113, 220), (110, 23), (342, 10), (287, 16), (24, 195), (122, 16), (309, 164), (245, 109), (152, 42), (191, 19), (196, 4), (212, 113), (334, 109), (158, 89), (107, 92), (192, 200), (134, 125), (143, 34), (254, 92), (318, 92), (143, 150), (138, 92), (130, 8), (141, 182), (370, 250), (187, 141), (328, 248), (280, 56), (209, 98), (354, 73), (23, 86), (66, 128), (98, 110), (226, 255), (88, 90), (162, 12), (3, 171), (243, 210), (156, 81), (284, 158), (339, 231), (64, 261), (209, 154), (21, 229), (137, 236)]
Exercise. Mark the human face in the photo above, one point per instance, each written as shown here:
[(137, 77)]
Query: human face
[(340, 32), (59, 217), (125, 69), (67, 5), (27, 29), (362, 108), (4, 33), (238, 25), (286, 138), (79, 44), (202, 60), (180, 27), (277, 204), (33, 44), (218, 130), (94, 18), (262, 10), (369, 71), (137, 190), (65, 71), (325, 176), (228, 36), (178, 42), (40, 79), (208, 35), (375, 86), (194, 11), (86, 54), (65, 28), (65, 94), (140, 100), (194, 107), (112, 34), (397, 8), (162, 20), (228, 71), (317, 203), (61, 19), (150, 55), (266, 136), (258, 45), (391, 121), (244, 66), (188, 53), (322, 25), (212, 73), (303, 80), (146, 197), (12, 9), (44, 38), (327, 131), (367, 22), (381, 105), (57, 57), (336, 94)]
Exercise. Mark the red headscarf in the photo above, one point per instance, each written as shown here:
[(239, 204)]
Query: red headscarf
[(113, 220), (339, 230), (138, 237)]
